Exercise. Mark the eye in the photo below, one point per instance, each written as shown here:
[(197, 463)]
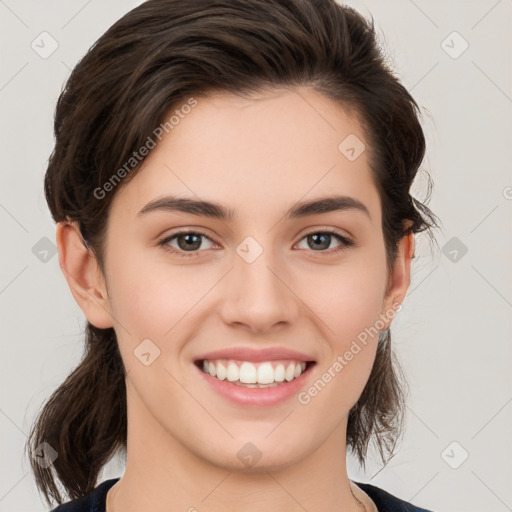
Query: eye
[(322, 239), (188, 242)]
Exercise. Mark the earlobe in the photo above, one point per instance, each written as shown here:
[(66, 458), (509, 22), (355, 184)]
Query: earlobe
[(83, 275)]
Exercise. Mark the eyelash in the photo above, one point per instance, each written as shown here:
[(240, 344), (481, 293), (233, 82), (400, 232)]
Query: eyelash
[(345, 242)]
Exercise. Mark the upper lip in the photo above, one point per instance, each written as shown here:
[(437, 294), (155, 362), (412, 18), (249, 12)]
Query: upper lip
[(255, 355)]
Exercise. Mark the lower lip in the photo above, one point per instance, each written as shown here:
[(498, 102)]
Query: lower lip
[(256, 396)]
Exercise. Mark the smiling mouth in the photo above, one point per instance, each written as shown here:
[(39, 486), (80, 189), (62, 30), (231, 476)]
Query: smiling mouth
[(264, 374)]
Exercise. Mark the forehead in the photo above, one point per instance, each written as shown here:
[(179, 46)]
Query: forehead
[(259, 154)]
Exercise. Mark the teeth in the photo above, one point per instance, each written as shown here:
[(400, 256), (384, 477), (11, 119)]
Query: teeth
[(290, 372), (248, 374), (265, 374), (221, 371), (279, 373), (233, 374), (245, 373)]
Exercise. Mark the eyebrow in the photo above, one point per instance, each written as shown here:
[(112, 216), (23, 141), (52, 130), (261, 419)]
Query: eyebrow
[(217, 211)]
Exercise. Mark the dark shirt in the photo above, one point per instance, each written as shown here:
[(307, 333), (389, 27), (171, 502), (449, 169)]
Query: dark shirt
[(95, 501)]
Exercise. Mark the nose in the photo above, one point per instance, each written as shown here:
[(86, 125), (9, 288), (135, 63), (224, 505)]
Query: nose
[(259, 295)]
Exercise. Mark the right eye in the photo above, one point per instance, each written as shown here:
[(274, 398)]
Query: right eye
[(188, 242)]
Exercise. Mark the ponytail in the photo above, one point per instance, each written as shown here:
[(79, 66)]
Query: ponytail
[(84, 421)]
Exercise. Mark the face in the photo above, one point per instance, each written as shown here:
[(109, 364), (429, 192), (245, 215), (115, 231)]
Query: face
[(261, 293)]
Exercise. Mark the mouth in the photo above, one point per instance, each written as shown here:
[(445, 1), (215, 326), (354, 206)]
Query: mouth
[(256, 375)]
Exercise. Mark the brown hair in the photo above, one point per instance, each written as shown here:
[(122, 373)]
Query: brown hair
[(148, 63)]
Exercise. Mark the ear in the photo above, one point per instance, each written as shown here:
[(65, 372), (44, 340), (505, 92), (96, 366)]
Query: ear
[(83, 274), (400, 277)]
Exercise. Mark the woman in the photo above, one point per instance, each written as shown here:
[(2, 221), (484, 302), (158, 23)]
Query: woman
[(231, 185)]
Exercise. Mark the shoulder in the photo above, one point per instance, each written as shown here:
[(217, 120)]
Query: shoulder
[(92, 502), (386, 502)]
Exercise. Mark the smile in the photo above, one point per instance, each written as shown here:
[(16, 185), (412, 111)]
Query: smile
[(267, 383)]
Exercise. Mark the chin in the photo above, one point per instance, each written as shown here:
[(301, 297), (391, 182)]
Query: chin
[(244, 456)]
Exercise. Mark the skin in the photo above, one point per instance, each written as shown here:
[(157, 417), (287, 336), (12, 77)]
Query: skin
[(258, 156)]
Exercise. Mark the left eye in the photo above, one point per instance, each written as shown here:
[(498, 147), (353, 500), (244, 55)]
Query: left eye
[(190, 241), (323, 238)]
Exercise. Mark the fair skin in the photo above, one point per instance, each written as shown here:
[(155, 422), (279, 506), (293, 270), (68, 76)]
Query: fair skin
[(258, 157)]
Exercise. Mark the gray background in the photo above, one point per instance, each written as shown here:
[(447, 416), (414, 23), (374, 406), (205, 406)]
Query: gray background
[(453, 334)]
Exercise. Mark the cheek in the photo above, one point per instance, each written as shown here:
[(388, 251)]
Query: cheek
[(149, 296), (351, 332), (349, 298), (349, 305)]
